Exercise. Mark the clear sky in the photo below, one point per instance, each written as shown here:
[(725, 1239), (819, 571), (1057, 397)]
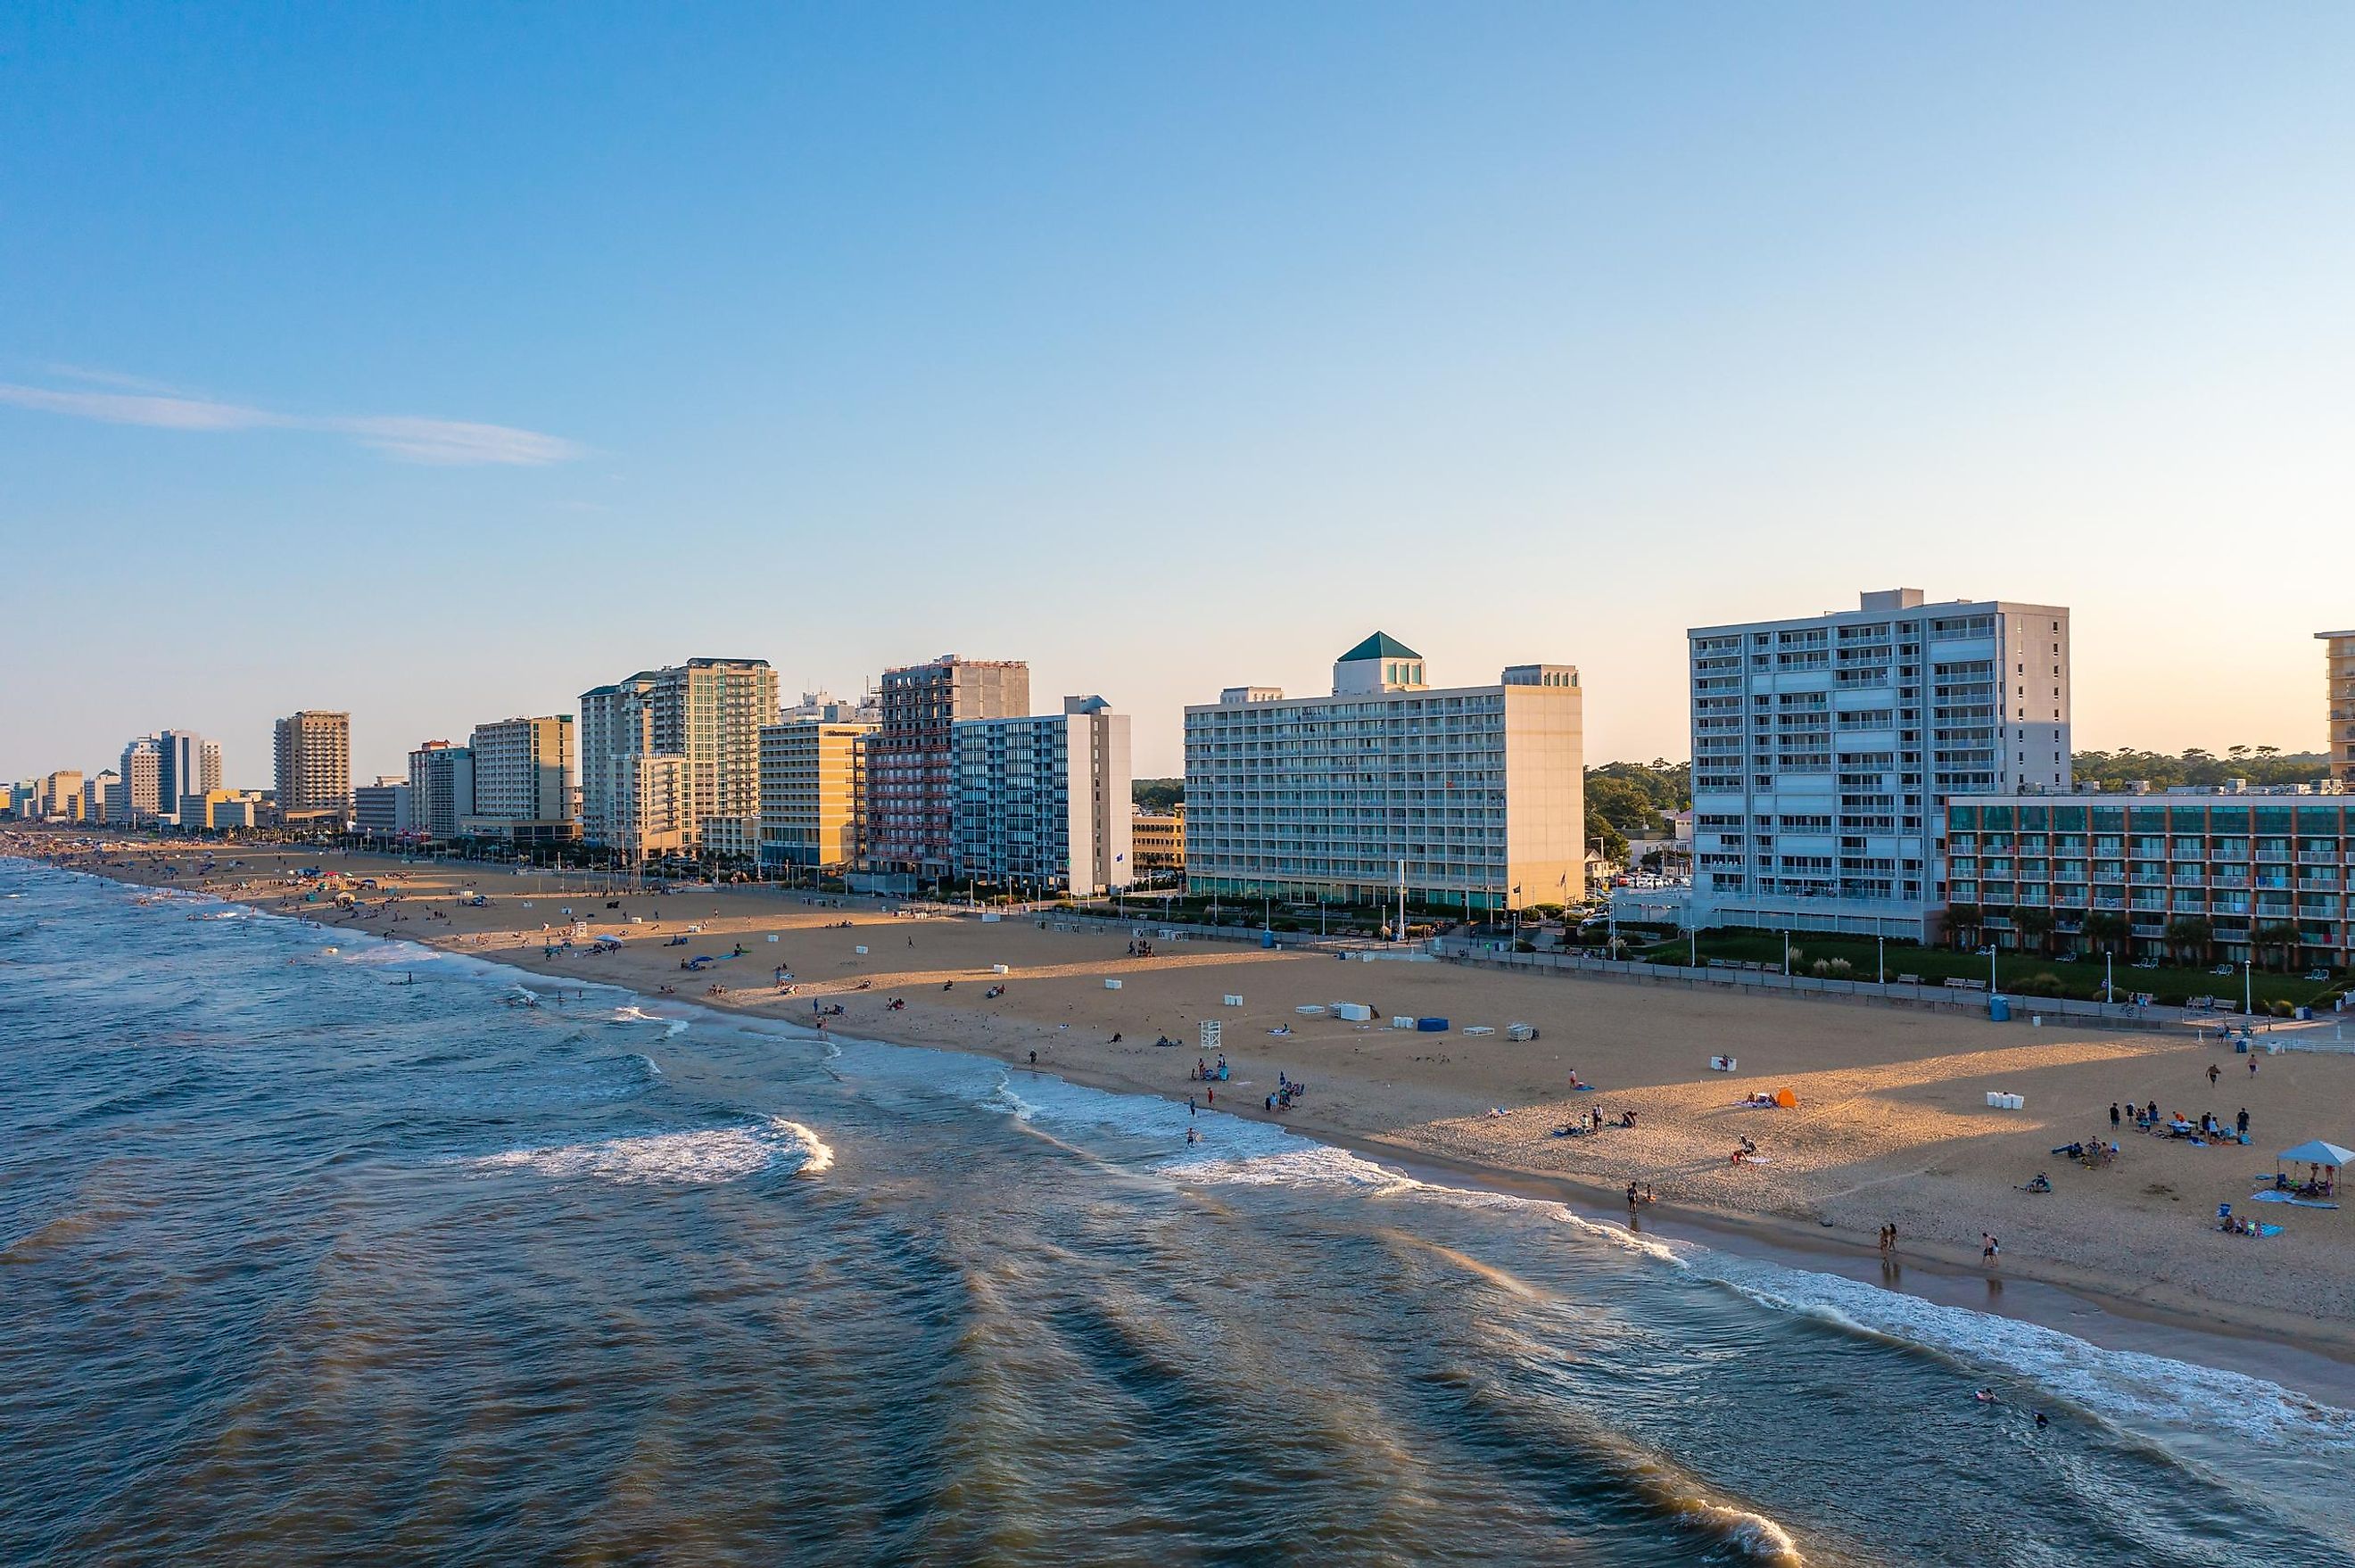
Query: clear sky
[(438, 362)]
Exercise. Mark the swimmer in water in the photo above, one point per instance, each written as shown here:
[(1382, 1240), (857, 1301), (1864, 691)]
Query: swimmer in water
[(1985, 1396)]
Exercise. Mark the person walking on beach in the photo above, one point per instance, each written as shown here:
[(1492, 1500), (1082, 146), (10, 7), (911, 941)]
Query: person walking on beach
[(1191, 1108), (1989, 1248), (2214, 1072), (2114, 1112), (2253, 1064), (2241, 1122)]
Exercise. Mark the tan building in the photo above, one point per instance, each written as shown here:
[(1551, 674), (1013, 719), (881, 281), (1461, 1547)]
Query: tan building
[(143, 780), (813, 775), (522, 781), (214, 810), (1159, 837), (1471, 797), (314, 755), (61, 795), (708, 714), (2339, 672)]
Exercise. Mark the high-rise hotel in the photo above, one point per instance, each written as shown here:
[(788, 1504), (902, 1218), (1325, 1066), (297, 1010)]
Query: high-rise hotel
[(670, 759), (311, 752), (1825, 748), (1471, 796), (2339, 671)]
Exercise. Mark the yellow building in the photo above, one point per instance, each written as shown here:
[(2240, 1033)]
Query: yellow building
[(1157, 838), (813, 788)]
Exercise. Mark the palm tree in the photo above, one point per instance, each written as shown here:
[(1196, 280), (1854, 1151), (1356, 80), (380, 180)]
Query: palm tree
[(2276, 933), (2191, 934), (1961, 918), (2105, 929), (2035, 925)]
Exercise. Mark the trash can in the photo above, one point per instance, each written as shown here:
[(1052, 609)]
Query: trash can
[(1267, 939), (2000, 1009)]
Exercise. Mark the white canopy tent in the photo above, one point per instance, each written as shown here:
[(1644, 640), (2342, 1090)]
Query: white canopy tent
[(2316, 1152)]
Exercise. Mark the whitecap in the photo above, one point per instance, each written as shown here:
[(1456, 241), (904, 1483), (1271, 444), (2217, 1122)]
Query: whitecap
[(704, 1157)]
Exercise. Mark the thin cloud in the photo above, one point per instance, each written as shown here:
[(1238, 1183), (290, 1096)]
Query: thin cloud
[(408, 438), (110, 379)]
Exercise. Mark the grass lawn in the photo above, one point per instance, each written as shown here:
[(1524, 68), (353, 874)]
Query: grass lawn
[(2017, 974)]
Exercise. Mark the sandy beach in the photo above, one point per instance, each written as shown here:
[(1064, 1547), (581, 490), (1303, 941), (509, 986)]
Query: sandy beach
[(1890, 1125)]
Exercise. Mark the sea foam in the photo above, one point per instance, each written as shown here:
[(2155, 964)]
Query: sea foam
[(704, 1157)]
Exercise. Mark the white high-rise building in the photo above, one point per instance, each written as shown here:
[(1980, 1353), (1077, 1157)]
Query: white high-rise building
[(1471, 797), (382, 808), (1044, 798), (1825, 748), (187, 764), (441, 789)]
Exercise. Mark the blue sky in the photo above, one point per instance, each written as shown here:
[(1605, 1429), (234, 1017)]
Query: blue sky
[(439, 362)]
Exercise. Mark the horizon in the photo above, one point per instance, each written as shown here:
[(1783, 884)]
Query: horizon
[(435, 366)]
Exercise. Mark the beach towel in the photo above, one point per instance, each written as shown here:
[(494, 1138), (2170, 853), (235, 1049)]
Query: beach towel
[(2269, 1230), (2271, 1197)]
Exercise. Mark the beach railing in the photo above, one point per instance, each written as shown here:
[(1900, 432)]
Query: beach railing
[(1764, 977)]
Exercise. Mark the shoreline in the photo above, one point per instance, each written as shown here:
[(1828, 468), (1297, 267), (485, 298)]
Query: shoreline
[(2293, 1351)]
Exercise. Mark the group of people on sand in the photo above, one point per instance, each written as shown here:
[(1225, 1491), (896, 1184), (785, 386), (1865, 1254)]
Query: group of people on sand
[(1287, 1091), (2209, 1129)]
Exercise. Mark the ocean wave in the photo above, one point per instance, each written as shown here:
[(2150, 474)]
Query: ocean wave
[(705, 1156), (1752, 1534), (2129, 1388), (817, 1154)]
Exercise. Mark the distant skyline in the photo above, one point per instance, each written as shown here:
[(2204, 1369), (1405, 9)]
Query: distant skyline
[(437, 364)]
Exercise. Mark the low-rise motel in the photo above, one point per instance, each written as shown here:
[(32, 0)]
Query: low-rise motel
[(2231, 873)]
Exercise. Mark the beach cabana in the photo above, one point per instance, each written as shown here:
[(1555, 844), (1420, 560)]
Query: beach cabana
[(2329, 1155)]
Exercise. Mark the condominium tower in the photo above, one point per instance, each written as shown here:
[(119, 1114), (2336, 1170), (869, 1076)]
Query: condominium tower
[(812, 776), (1470, 797), (186, 764), (441, 789), (911, 788), (704, 718), (522, 772), (313, 763), (1825, 750), (1043, 799), (2339, 671), (142, 775)]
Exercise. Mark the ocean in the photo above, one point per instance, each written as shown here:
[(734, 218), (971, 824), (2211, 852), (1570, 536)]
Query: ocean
[(318, 1246)]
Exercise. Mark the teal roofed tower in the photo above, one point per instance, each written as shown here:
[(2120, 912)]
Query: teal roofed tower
[(1381, 663), (1380, 645)]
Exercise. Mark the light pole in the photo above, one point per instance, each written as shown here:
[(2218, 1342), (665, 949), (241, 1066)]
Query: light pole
[(1883, 941), (2248, 999), (2107, 994), (1787, 955)]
